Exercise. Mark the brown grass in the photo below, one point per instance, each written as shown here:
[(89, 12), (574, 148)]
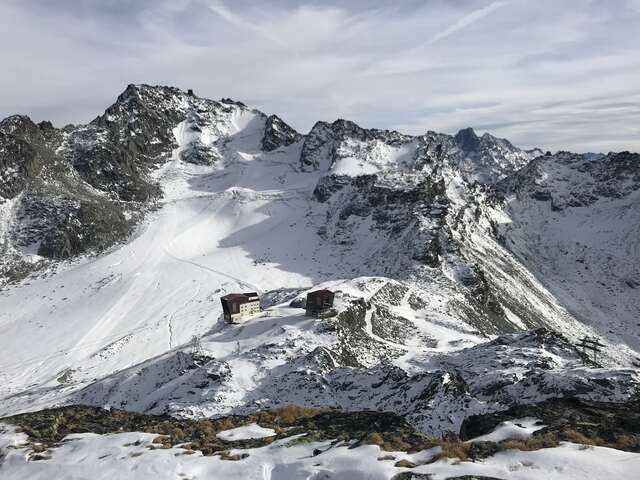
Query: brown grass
[(374, 438), (627, 442), (404, 463), (453, 449), (224, 424), (162, 439), (534, 442), (226, 455), (578, 437), (291, 413), (46, 430), (177, 435)]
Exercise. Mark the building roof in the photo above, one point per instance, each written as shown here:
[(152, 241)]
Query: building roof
[(244, 297), (323, 291)]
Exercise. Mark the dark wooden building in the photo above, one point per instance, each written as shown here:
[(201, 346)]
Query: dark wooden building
[(237, 306), (319, 302)]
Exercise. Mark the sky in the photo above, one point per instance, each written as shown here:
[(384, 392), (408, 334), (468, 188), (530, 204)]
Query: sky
[(557, 74)]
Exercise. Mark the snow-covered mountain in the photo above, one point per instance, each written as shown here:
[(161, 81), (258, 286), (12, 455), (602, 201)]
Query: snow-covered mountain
[(118, 238), (574, 221)]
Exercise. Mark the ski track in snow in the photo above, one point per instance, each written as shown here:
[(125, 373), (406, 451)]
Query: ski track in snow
[(241, 283), (174, 313)]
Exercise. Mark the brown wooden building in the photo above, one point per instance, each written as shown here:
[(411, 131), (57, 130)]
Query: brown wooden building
[(319, 302)]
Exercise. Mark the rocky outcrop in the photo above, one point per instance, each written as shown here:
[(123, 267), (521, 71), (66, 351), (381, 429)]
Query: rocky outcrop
[(322, 145), (52, 207), (24, 149), (352, 367), (79, 189), (615, 425), (488, 159), (467, 140), (278, 134)]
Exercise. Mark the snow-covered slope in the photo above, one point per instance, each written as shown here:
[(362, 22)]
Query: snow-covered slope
[(392, 359), (132, 456), (574, 221)]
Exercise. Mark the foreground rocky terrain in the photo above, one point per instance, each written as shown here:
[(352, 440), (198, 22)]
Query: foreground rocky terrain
[(379, 445), (466, 272)]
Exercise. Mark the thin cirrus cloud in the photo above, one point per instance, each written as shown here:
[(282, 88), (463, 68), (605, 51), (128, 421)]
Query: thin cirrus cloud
[(559, 75), (467, 20), (220, 9)]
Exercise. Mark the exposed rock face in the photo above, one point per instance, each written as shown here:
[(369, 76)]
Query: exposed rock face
[(574, 223), (427, 222), (602, 423), (53, 209), (86, 226), (24, 150), (77, 189), (467, 140), (485, 159), (322, 146), (488, 159), (573, 180), (278, 134), (142, 120), (317, 146)]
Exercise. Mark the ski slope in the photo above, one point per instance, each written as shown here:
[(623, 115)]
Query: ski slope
[(219, 229)]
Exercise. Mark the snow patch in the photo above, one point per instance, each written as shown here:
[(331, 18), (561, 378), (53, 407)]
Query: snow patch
[(245, 432), (519, 429)]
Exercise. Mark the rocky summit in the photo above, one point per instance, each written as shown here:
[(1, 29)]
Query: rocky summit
[(469, 281)]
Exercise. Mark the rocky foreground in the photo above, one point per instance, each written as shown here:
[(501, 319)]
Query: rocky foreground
[(582, 422)]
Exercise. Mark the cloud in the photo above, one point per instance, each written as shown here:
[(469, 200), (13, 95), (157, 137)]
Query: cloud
[(467, 20), (227, 15), (559, 75)]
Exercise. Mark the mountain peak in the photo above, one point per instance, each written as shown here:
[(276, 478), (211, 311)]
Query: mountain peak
[(16, 122), (467, 139), (140, 88), (277, 133)]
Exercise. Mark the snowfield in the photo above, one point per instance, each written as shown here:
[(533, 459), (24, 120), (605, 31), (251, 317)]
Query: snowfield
[(248, 431), (521, 428)]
